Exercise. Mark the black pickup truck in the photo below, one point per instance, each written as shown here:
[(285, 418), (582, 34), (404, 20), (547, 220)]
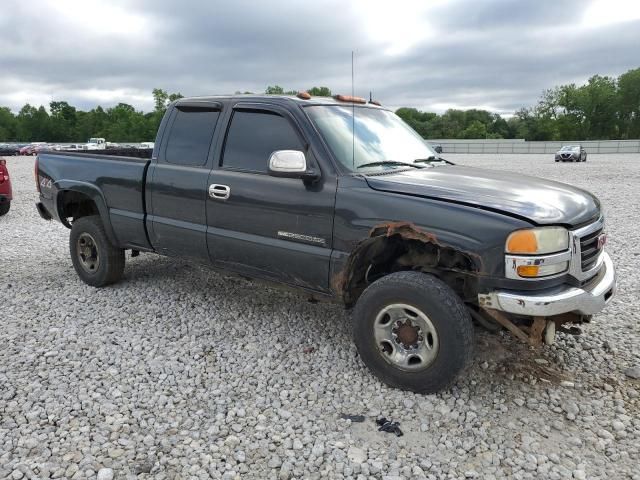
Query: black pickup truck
[(339, 198)]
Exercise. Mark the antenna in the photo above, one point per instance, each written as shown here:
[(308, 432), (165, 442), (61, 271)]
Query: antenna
[(353, 119)]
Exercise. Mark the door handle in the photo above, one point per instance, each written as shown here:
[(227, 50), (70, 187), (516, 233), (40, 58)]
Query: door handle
[(219, 192)]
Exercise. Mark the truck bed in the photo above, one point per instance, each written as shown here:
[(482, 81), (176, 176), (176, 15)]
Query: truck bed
[(115, 182)]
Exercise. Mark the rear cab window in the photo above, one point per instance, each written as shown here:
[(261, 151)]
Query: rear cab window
[(253, 136), (190, 136)]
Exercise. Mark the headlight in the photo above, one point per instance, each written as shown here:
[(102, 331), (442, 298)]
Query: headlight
[(538, 241), (537, 252)]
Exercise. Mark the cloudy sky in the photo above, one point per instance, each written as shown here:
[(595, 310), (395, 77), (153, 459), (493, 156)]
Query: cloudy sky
[(433, 55)]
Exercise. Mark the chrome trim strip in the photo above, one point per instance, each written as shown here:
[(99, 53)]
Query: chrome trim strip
[(512, 262), (301, 237), (592, 227), (575, 266)]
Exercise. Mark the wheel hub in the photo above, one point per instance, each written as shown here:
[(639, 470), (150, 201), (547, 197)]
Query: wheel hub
[(406, 337), (88, 253), (406, 334)]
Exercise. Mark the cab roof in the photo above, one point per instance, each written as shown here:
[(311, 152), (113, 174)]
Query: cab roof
[(275, 99)]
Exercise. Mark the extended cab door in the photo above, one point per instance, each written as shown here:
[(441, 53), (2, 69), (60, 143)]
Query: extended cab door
[(277, 228), (177, 181)]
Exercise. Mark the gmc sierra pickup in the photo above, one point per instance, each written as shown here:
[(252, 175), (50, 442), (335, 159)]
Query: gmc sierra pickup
[(341, 199)]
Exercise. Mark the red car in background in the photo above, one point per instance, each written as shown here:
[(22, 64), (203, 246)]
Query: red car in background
[(31, 148), (5, 188), (27, 150)]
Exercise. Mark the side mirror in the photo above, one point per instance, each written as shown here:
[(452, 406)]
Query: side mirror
[(290, 164)]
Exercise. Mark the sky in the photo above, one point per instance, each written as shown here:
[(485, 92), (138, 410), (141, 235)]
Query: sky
[(433, 55)]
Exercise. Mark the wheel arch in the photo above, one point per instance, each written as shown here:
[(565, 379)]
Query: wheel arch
[(402, 246), (78, 199)]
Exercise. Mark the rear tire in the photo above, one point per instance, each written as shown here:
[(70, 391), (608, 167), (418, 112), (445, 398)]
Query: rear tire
[(96, 260), (4, 208), (439, 333)]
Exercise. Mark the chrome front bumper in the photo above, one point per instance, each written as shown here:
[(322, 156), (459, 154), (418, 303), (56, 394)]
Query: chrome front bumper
[(586, 300)]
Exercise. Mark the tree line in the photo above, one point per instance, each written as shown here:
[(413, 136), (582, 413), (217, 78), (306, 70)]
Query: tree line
[(603, 108), (65, 123)]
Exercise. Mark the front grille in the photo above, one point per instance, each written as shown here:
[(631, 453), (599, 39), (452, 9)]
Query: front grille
[(590, 250), (566, 155)]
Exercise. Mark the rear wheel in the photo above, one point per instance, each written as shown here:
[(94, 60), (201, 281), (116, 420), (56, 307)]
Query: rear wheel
[(4, 208), (413, 332), (96, 260)]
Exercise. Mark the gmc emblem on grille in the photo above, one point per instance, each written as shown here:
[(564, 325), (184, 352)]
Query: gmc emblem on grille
[(602, 240)]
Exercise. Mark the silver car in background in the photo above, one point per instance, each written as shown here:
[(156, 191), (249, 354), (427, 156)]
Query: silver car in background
[(571, 153)]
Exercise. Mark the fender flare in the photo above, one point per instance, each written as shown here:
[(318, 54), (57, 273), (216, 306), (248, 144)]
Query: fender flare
[(92, 192)]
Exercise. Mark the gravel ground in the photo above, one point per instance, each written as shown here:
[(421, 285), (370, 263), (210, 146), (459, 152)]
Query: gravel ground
[(179, 372)]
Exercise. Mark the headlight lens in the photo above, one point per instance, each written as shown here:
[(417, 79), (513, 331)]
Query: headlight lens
[(538, 241)]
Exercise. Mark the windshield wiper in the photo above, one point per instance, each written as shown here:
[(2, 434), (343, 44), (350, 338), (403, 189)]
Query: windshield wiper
[(387, 162), (429, 159)]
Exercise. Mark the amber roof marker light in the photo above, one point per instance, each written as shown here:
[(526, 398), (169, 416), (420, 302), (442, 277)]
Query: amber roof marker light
[(350, 99), (304, 95)]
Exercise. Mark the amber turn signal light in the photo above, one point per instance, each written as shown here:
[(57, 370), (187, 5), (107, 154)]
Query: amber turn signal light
[(349, 98), (528, 270)]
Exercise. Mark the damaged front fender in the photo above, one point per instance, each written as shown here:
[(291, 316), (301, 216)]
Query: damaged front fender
[(396, 246)]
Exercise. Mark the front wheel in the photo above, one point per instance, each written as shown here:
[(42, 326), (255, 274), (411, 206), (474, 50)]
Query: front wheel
[(96, 260), (4, 208), (413, 332)]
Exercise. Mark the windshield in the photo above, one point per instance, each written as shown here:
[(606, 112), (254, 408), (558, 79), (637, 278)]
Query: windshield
[(381, 137), (569, 148)]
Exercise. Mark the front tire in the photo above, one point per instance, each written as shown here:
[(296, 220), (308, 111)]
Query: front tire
[(96, 260), (413, 332), (4, 208)]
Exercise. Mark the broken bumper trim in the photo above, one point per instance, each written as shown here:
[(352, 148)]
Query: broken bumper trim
[(585, 301)]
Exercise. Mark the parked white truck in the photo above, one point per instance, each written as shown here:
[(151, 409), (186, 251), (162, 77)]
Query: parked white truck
[(95, 144)]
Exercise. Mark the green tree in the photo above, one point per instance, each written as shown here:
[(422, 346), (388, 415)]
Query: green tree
[(320, 91), (63, 121), (33, 124), (274, 90), (629, 104), (8, 125), (598, 102), (476, 129), (160, 99)]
